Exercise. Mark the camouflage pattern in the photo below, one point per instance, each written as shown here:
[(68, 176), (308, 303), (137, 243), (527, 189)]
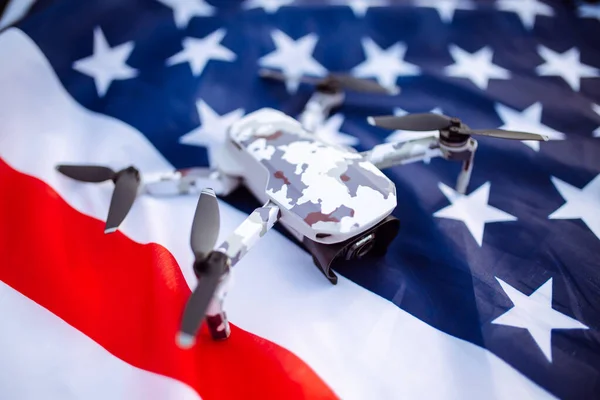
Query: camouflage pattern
[(247, 234), (235, 247), (331, 189), (187, 181), (398, 153), (318, 108), (390, 154)]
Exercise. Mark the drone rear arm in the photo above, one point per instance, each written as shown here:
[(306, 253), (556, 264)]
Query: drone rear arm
[(318, 108), (398, 153), (259, 222), (391, 154), (189, 181)]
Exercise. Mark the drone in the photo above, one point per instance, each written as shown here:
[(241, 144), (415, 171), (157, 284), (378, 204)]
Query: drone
[(334, 200)]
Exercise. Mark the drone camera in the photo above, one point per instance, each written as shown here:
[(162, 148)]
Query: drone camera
[(371, 243), (361, 247)]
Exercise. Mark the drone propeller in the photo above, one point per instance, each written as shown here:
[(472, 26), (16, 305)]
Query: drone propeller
[(86, 173), (127, 182), (206, 224), (336, 81), (209, 266), (412, 122), (434, 122)]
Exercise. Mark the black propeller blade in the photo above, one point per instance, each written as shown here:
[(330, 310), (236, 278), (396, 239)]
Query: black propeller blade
[(412, 122), (501, 133), (127, 182), (359, 85), (434, 122), (336, 81), (209, 266), (271, 74), (206, 224), (126, 188), (87, 173)]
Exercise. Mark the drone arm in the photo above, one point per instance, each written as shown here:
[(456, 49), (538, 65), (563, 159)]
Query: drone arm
[(189, 181), (235, 247), (248, 232), (398, 153), (317, 109)]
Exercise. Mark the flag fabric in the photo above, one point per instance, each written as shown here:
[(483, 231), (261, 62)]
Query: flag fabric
[(491, 294), (12, 11)]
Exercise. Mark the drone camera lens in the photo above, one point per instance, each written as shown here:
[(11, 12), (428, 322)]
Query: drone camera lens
[(361, 247)]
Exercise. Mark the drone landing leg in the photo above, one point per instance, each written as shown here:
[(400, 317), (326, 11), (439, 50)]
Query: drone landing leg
[(189, 181), (216, 318), (398, 153), (465, 175), (466, 154)]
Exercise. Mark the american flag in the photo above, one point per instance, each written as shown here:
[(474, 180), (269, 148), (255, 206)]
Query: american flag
[(492, 294)]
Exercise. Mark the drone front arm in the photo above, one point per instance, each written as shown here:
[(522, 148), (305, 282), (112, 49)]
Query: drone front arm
[(398, 153), (245, 236), (236, 246), (317, 109), (188, 181)]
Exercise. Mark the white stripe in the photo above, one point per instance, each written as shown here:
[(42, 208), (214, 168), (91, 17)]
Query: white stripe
[(361, 345), (45, 358)]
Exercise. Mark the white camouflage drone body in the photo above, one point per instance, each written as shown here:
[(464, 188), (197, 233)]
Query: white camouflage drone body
[(326, 193), (334, 200)]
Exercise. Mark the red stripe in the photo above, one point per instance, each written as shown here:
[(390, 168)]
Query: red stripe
[(129, 297)]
